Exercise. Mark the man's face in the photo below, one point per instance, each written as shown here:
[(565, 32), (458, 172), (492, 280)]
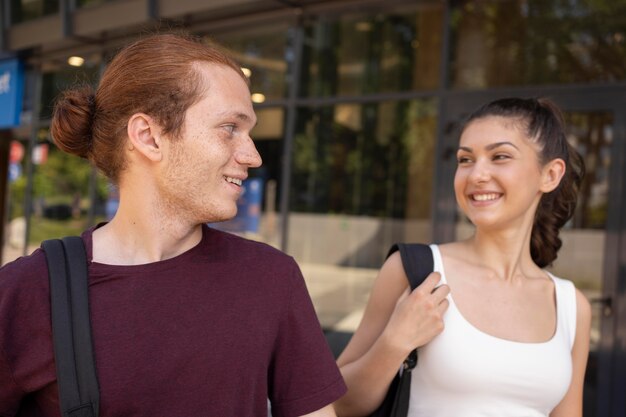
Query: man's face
[(204, 168)]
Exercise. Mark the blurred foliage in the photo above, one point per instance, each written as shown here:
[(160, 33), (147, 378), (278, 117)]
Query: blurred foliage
[(542, 42), (62, 179)]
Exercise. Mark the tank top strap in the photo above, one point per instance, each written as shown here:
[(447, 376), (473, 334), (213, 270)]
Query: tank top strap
[(438, 262), (566, 308)]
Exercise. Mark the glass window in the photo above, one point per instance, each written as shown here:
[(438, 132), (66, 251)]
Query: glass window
[(23, 10), (82, 3), (362, 180), (264, 55), (518, 42), (373, 53), (364, 160)]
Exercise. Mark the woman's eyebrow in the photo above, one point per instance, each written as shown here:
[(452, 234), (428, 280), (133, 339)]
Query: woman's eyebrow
[(493, 146), (489, 147)]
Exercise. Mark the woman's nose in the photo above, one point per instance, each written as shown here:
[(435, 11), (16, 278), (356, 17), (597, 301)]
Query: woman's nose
[(480, 172)]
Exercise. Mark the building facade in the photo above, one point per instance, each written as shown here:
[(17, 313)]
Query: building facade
[(359, 105)]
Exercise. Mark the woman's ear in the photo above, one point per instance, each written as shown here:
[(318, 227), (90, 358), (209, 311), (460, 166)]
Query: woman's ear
[(144, 136), (551, 176)]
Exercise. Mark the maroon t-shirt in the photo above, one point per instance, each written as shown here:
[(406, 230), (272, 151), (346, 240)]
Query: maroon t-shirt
[(215, 331)]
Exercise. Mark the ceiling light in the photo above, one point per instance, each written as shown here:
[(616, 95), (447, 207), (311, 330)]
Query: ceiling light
[(246, 71), (258, 98), (76, 61)]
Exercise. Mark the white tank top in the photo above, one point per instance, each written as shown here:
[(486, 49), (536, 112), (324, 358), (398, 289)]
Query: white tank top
[(465, 372)]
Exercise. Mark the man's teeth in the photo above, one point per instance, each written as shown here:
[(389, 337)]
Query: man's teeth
[(234, 180), (485, 197)]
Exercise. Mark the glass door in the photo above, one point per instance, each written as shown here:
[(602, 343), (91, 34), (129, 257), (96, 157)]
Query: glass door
[(590, 255)]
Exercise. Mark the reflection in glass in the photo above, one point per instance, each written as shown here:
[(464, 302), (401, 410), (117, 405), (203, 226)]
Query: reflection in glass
[(373, 53), (513, 42), (365, 170), (82, 3), (264, 54), (361, 180), (24, 10), (581, 258)]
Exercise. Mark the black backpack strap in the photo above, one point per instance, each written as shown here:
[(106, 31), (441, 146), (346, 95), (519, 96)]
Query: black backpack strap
[(418, 263), (71, 328), (417, 260)]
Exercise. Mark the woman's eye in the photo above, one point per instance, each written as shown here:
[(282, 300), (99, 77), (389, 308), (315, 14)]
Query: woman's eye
[(500, 157), (463, 160)]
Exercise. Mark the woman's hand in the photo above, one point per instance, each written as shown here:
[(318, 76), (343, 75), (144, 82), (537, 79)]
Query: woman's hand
[(418, 315), (394, 323)]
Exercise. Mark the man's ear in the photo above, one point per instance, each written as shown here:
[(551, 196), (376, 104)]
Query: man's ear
[(144, 136), (552, 173)]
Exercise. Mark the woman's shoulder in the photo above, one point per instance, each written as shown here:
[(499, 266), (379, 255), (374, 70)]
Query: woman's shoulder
[(576, 296), (568, 286)]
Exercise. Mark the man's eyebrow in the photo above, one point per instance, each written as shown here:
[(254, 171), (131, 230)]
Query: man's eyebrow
[(238, 115), (489, 147)]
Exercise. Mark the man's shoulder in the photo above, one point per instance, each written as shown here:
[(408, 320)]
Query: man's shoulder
[(24, 285), (245, 247), (26, 270)]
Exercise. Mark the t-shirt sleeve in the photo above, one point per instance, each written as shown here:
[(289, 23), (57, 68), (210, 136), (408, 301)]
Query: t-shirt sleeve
[(10, 392), (26, 359), (303, 376)]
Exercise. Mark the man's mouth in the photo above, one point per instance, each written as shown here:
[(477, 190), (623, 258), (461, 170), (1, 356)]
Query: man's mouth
[(235, 181)]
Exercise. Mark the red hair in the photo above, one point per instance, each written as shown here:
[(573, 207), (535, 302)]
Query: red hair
[(155, 76)]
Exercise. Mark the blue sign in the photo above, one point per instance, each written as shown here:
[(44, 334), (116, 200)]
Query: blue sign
[(11, 92), (15, 170), (248, 209)]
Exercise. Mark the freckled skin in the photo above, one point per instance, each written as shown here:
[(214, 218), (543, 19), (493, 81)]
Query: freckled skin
[(214, 143)]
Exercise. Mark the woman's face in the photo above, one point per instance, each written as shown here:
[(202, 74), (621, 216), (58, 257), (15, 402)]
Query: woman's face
[(498, 181)]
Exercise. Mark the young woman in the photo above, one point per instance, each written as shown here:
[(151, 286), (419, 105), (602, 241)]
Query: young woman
[(500, 336)]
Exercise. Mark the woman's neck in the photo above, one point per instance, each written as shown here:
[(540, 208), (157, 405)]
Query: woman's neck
[(507, 254)]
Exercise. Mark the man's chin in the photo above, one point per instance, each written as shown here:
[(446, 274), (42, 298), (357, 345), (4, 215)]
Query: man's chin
[(221, 218)]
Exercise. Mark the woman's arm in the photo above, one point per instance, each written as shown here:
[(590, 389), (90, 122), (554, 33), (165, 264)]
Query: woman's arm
[(572, 404), (394, 323), (327, 411)]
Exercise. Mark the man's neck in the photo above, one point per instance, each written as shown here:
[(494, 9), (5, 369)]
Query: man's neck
[(136, 237)]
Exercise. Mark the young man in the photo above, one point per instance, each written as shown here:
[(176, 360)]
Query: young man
[(186, 320)]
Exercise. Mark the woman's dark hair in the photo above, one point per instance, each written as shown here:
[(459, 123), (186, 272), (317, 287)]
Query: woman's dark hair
[(543, 123), (156, 76)]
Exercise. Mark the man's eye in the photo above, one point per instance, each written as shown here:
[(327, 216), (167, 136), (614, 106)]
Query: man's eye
[(229, 128)]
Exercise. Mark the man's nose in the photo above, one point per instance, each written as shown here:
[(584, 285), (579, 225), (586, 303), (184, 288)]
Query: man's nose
[(248, 155)]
